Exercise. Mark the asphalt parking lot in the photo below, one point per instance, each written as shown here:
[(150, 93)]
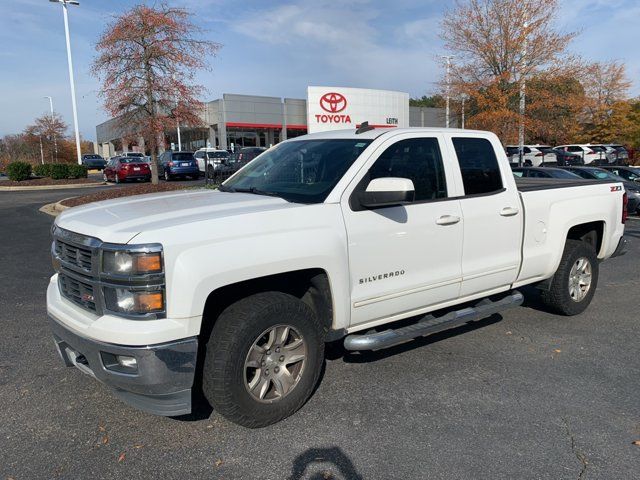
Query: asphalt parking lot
[(521, 395)]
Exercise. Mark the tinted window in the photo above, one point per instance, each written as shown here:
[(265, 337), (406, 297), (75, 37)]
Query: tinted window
[(218, 154), (574, 149), (417, 159), (478, 165), (538, 174), (183, 156), (131, 160), (518, 173)]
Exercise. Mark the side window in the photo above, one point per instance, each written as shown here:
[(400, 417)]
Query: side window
[(575, 149), (518, 173), (417, 159), (199, 155), (526, 150), (478, 165)]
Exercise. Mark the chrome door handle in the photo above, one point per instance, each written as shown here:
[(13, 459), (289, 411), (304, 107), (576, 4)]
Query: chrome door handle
[(447, 220), (509, 211)]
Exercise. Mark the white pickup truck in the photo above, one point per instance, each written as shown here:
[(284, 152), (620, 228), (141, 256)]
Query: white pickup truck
[(327, 237)]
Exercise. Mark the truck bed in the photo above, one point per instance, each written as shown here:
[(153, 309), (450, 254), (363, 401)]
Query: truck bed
[(532, 184)]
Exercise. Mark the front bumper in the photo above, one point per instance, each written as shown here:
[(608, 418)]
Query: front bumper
[(161, 383)]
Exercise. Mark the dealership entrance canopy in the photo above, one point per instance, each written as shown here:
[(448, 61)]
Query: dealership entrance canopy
[(236, 121)]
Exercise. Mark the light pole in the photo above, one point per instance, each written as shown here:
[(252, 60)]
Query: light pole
[(522, 96), (463, 98), (177, 120), (53, 131), (448, 59), (71, 81)]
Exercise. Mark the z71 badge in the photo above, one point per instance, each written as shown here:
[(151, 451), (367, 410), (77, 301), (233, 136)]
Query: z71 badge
[(616, 188)]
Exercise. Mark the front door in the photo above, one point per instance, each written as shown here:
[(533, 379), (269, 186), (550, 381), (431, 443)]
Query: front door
[(404, 258)]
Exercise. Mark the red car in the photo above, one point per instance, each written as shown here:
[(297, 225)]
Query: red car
[(121, 169)]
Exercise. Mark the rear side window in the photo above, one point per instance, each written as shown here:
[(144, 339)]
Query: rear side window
[(478, 164), (417, 159)]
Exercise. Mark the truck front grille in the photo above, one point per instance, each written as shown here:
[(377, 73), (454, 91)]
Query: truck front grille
[(73, 255), (78, 292)]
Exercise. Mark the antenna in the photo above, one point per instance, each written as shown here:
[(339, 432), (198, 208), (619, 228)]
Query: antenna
[(364, 127)]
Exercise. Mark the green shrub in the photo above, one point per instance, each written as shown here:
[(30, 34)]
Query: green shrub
[(59, 171), (42, 170), (18, 171), (77, 171)]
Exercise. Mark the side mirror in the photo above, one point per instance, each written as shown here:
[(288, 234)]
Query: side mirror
[(387, 192)]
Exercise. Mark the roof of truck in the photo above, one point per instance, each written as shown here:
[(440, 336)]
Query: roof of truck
[(376, 132)]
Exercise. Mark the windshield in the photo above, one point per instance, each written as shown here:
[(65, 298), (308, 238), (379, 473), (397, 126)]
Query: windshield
[(217, 154), (131, 160), (303, 171), (604, 175), (93, 157)]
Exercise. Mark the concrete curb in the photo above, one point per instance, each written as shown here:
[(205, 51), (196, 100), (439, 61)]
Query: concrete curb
[(52, 187), (55, 209)]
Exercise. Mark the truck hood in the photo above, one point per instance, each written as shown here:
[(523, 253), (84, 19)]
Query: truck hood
[(120, 220)]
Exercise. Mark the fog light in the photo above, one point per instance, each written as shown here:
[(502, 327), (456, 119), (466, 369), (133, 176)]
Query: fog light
[(127, 362), (119, 363)]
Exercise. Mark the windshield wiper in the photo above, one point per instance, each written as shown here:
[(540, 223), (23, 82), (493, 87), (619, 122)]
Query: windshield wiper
[(254, 190)]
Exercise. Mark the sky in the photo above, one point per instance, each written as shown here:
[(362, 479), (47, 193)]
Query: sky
[(271, 47)]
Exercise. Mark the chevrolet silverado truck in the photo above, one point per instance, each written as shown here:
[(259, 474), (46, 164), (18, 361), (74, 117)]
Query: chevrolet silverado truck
[(370, 237)]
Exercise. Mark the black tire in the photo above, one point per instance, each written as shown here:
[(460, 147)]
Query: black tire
[(558, 298), (234, 334)]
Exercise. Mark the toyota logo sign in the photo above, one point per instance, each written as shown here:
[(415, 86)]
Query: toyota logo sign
[(333, 102)]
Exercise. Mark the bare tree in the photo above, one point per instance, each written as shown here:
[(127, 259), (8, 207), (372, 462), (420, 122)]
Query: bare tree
[(147, 59)]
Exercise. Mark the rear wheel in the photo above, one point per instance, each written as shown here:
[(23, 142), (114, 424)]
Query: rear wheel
[(575, 281), (263, 359)]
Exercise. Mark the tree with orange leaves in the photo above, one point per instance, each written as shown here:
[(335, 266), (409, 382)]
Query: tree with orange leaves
[(147, 59), (497, 43)]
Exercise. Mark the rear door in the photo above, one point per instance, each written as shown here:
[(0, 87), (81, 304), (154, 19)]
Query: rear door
[(404, 258), (492, 215)]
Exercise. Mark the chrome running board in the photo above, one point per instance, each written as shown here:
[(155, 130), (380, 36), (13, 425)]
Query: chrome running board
[(429, 324)]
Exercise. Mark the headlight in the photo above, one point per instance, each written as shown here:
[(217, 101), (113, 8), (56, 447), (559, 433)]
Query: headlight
[(131, 263), (125, 300)]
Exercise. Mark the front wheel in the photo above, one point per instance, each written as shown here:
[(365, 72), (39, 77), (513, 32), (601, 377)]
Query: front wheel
[(263, 359), (575, 281)]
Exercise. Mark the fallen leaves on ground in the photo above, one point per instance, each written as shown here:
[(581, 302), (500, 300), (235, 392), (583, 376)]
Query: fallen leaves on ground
[(122, 457), (636, 443), (557, 350), (118, 192), (218, 463)]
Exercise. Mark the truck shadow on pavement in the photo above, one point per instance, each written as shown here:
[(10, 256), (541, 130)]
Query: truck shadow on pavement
[(312, 464)]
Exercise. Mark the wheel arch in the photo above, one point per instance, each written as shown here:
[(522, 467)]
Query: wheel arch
[(310, 285)]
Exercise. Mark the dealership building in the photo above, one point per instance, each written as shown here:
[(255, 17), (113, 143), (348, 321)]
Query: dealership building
[(236, 121)]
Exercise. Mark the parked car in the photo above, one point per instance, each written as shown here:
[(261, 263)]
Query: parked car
[(564, 158), (534, 155), (178, 164), (211, 158), (594, 173), (616, 154), (122, 169), (358, 236), (631, 174), (249, 153), (543, 172), (93, 161), (591, 154)]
